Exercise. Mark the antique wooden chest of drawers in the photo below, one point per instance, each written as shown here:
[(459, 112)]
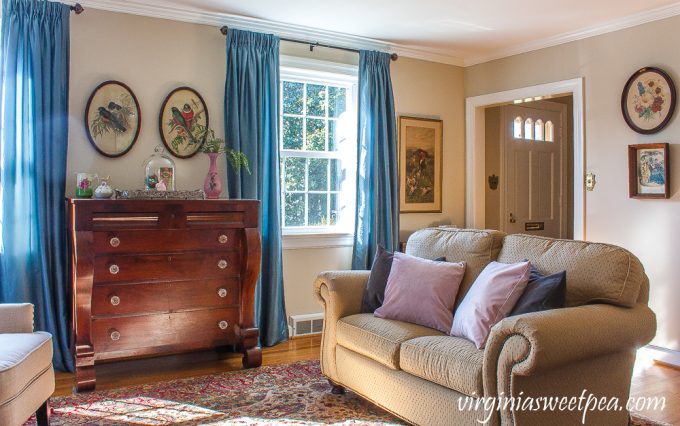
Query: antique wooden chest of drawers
[(162, 276)]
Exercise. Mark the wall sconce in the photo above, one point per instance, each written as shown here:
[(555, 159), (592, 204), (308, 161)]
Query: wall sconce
[(493, 182), (590, 181)]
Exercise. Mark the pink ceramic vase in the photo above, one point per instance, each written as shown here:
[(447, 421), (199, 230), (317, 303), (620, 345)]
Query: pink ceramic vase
[(213, 184)]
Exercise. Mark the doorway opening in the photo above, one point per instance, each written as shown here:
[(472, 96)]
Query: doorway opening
[(529, 166), (525, 160)]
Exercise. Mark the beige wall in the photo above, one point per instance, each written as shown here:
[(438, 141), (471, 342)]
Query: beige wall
[(649, 228), (153, 56)]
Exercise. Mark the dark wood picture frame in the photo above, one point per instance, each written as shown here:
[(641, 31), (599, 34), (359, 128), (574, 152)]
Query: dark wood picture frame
[(634, 172), (437, 165), (646, 94), (162, 127), (105, 124)]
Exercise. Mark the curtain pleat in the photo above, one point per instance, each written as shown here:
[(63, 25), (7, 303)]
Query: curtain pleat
[(251, 121), (377, 215), (34, 92)]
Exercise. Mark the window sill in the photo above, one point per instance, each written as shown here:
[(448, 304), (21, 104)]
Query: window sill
[(294, 241)]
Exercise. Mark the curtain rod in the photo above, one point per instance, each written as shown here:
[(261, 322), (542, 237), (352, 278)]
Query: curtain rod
[(225, 29), (77, 8)]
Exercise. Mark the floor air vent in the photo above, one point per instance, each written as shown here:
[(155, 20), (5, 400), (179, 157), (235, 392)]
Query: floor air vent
[(306, 324)]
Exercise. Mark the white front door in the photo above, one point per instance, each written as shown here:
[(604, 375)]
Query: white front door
[(533, 174)]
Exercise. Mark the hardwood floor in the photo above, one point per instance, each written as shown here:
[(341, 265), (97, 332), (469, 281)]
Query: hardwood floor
[(649, 379)]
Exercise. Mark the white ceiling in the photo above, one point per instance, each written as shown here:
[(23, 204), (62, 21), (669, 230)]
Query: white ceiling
[(462, 30)]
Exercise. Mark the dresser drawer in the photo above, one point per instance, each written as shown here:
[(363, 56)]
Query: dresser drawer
[(210, 327), (166, 241), (155, 267), (127, 299)]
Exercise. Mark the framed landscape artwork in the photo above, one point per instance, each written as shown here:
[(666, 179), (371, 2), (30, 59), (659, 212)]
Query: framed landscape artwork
[(183, 121), (420, 165), (648, 100), (112, 118), (649, 171)]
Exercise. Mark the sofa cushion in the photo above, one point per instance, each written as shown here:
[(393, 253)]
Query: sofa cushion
[(596, 273), (378, 338), (474, 247), (422, 291), (23, 357), (452, 362)]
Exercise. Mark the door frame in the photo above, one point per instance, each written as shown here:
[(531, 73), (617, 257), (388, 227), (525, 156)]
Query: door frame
[(475, 161)]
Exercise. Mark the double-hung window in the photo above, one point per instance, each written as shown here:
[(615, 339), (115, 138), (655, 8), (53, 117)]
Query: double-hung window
[(318, 147)]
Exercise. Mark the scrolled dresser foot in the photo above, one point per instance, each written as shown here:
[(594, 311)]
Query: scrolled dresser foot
[(252, 357), (336, 389)]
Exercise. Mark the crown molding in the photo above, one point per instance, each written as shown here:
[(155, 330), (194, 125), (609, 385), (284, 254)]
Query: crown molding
[(604, 28), (154, 9)]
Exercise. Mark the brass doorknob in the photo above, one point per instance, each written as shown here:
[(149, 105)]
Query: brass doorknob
[(512, 218)]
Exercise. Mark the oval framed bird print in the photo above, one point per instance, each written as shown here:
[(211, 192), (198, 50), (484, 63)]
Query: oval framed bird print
[(183, 122), (648, 100), (112, 118)]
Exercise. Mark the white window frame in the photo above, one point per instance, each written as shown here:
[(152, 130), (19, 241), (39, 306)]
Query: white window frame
[(326, 73)]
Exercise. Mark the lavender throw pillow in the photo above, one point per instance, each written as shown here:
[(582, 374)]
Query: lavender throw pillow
[(421, 291), (490, 299)]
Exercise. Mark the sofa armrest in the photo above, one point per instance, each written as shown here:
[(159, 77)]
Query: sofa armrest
[(532, 343), (340, 294), (16, 318)]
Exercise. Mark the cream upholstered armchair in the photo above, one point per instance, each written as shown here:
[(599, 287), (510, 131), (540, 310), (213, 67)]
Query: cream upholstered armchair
[(26, 373)]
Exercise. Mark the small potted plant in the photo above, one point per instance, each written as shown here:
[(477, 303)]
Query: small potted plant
[(214, 146)]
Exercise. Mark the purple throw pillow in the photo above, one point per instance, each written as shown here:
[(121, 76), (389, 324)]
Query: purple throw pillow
[(422, 291), (490, 299)]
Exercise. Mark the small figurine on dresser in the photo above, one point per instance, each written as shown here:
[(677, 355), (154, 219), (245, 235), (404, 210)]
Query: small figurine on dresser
[(104, 190)]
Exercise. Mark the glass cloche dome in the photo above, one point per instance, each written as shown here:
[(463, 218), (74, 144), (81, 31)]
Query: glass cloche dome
[(160, 171)]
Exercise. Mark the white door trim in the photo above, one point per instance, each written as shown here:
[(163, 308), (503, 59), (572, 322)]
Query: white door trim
[(475, 139)]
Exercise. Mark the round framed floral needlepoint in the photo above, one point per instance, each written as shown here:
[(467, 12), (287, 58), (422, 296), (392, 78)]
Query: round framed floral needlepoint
[(648, 100)]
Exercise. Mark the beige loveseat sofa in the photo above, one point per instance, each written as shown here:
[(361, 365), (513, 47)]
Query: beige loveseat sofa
[(427, 378)]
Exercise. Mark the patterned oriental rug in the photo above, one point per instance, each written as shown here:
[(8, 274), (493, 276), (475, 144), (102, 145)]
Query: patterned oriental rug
[(290, 394)]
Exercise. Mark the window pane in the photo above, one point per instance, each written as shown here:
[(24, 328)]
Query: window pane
[(295, 174), (295, 210), (292, 133), (517, 128), (317, 209), (316, 100), (334, 209), (333, 135), (336, 175), (318, 174), (549, 131), (528, 128), (293, 97), (538, 130), (316, 134), (337, 101)]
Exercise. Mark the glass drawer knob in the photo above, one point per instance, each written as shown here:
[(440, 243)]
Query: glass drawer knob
[(223, 239), (222, 264), (223, 325), (115, 300), (115, 335), (222, 292), (114, 269), (115, 242)]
